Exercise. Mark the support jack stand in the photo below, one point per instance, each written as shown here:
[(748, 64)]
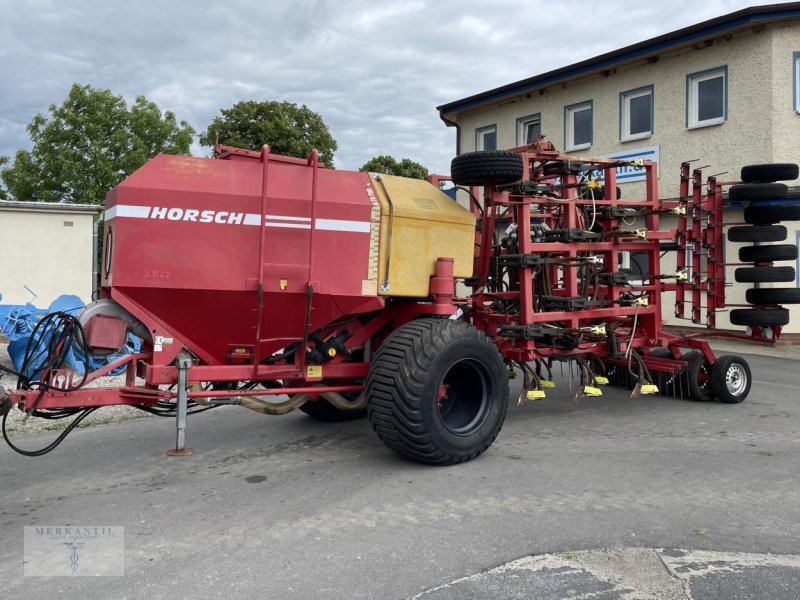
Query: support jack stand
[(180, 448)]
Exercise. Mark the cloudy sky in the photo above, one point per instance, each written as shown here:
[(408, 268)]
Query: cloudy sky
[(375, 70)]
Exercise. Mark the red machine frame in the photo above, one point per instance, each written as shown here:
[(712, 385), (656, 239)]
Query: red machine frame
[(633, 324)]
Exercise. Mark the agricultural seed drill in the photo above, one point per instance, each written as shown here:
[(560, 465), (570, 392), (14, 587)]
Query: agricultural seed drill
[(254, 276)]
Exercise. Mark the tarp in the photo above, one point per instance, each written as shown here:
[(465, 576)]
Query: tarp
[(20, 322)]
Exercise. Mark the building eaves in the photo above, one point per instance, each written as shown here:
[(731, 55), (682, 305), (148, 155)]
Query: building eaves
[(737, 21), (57, 207)]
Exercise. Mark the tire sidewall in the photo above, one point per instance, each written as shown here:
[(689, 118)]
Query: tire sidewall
[(719, 374), (466, 347), (697, 363)]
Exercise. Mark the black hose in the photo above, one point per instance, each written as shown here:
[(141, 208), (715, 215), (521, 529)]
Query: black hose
[(54, 445), (53, 338), (47, 349)]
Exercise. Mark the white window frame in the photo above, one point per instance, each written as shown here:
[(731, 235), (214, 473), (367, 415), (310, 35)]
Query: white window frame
[(569, 122), (481, 132), (522, 125), (796, 83), (692, 106), (625, 113)]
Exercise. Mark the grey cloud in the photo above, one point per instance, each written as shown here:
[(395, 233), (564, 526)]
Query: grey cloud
[(375, 71)]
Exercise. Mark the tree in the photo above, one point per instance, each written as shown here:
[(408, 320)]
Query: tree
[(89, 144), (3, 193), (390, 166), (286, 128)]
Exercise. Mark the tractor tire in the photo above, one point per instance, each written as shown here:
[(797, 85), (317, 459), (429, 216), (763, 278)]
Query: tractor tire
[(770, 172), (760, 317), (731, 379), (697, 376), (660, 378), (754, 192), (762, 215), (322, 410), (773, 296), (476, 168), (776, 252), (764, 274), (757, 233), (437, 391), (661, 353)]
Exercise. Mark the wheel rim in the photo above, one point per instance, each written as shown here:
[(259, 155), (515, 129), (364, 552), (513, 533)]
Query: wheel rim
[(736, 380), (703, 378), (464, 397)]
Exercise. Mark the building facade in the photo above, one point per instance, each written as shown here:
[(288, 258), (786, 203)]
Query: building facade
[(48, 250), (725, 92)]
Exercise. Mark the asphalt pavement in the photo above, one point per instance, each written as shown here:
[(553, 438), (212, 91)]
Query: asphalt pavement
[(602, 497)]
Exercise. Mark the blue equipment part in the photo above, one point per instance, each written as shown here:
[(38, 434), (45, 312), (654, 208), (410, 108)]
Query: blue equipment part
[(20, 323), (67, 303), (19, 320)]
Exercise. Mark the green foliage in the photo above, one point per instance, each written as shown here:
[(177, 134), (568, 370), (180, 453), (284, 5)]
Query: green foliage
[(286, 128), (3, 193), (89, 144), (390, 166)]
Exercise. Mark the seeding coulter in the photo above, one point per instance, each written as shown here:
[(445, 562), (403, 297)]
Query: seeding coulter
[(277, 284)]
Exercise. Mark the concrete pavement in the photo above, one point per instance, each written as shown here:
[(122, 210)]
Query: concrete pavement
[(632, 574), (291, 508)]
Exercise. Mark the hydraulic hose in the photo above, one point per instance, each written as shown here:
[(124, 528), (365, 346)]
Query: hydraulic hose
[(272, 408), (265, 407)]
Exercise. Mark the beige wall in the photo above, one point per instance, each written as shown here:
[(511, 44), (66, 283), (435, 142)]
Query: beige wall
[(745, 138), (786, 148), (761, 125), (786, 122), (46, 255)]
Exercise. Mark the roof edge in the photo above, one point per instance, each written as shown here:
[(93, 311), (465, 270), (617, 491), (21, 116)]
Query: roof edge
[(52, 206), (741, 19)]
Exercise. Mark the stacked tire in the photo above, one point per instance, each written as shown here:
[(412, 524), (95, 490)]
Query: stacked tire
[(760, 189)]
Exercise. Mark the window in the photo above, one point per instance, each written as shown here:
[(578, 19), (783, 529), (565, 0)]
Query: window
[(486, 138), (636, 114), (703, 262), (796, 80), (707, 97), (578, 126), (528, 129), (636, 264)]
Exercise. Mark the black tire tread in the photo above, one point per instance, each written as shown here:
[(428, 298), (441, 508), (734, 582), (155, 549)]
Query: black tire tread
[(719, 371), (696, 360), (476, 168), (754, 192), (757, 233), (773, 296), (769, 172), (661, 378), (760, 317), (760, 214), (397, 374), (775, 252), (764, 274)]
